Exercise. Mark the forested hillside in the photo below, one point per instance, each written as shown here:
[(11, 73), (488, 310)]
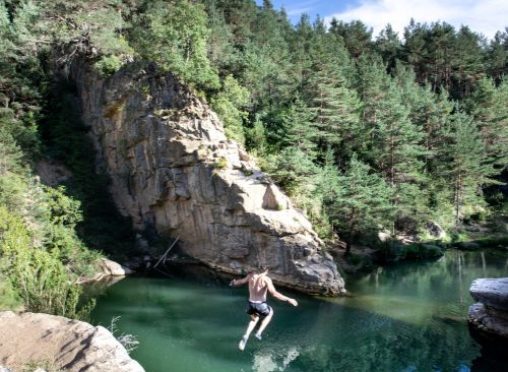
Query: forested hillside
[(366, 133)]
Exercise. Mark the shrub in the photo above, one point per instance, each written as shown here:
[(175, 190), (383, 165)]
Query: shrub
[(108, 65), (221, 163), (41, 281)]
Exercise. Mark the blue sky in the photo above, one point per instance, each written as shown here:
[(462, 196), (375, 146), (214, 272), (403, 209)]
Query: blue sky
[(484, 16), (323, 8)]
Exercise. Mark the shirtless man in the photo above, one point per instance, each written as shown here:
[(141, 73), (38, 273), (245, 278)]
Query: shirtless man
[(259, 284)]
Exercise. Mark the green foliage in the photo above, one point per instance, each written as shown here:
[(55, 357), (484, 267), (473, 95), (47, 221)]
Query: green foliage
[(316, 92), (98, 28), (229, 104), (9, 298), (100, 226), (358, 202), (108, 65), (295, 172), (466, 168), (221, 163), (40, 279), (395, 251), (174, 34), (364, 135), (64, 211), (487, 106)]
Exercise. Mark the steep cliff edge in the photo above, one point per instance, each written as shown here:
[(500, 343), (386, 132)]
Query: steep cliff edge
[(173, 169)]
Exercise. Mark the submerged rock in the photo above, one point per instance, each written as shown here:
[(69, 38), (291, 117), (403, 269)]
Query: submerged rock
[(32, 338), (174, 171), (488, 317)]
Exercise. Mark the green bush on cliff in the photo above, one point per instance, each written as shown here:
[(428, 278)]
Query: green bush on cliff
[(174, 34), (40, 279), (229, 104), (108, 65)]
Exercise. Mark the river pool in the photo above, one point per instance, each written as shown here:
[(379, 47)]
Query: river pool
[(408, 317)]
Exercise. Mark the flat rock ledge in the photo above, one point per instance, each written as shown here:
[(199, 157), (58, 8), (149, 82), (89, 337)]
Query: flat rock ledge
[(488, 317), (71, 345)]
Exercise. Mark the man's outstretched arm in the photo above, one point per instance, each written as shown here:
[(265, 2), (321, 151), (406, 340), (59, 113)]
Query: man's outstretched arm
[(278, 295), (237, 282)]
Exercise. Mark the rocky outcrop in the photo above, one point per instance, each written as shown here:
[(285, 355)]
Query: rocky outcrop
[(489, 316), (107, 270), (33, 338), (173, 170)]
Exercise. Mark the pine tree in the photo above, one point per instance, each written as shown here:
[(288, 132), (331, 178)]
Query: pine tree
[(497, 56), (357, 37), (389, 46), (488, 107), (359, 202), (220, 47), (299, 131), (174, 35), (465, 165), (427, 111), (467, 62), (389, 140), (335, 105)]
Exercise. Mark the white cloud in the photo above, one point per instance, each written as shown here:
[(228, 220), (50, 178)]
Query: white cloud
[(483, 16)]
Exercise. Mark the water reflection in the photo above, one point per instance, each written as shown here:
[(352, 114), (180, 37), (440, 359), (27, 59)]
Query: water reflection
[(270, 361)]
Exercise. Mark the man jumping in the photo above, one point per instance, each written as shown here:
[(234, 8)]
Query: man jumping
[(259, 284)]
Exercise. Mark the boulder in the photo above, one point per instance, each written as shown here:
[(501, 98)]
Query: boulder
[(107, 270), (274, 199), (112, 268), (173, 171), (436, 230), (64, 343), (491, 292), (488, 318)]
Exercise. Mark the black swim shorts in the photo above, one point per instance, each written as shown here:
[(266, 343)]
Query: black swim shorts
[(261, 309)]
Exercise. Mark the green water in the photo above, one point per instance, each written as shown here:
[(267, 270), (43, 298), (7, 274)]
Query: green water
[(410, 317)]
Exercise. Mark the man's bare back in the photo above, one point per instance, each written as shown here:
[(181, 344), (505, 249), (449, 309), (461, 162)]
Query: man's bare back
[(259, 284), (257, 288)]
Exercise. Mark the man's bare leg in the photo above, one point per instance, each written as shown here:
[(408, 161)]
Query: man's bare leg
[(264, 324), (250, 328)]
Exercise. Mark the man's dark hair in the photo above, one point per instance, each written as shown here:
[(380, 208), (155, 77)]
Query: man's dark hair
[(261, 268)]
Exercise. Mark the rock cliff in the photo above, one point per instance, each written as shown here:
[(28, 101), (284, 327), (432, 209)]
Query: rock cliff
[(173, 169), (33, 338)]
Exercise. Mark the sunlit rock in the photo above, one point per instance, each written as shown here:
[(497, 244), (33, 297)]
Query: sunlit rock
[(174, 171), (29, 338)]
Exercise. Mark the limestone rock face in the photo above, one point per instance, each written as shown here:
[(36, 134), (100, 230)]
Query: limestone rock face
[(173, 169), (489, 315), (69, 344)]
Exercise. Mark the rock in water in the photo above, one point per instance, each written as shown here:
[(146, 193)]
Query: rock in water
[(491, 292), (489, 316), (173, 169), (64, 343)]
